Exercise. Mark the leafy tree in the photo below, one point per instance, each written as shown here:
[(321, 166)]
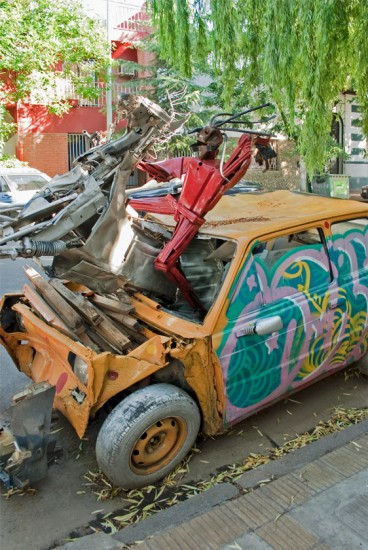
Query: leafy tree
[(200, 96), (36, 35), (166, 86), (305, 52)]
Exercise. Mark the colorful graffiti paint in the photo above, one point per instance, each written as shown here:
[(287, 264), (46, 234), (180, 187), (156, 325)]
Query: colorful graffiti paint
[(320, 292)]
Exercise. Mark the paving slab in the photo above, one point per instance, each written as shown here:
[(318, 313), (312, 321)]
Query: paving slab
[(304, 455), (338, 516), (287, 534), (331, 499), (320, 504)]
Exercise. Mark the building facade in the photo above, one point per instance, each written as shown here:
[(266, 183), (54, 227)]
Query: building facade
[(50, 143), (351, 137)]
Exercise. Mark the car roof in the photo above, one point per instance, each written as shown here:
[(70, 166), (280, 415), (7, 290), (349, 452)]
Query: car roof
[(253, 214), (21, 170)]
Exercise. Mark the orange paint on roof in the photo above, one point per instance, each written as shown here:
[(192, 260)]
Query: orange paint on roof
[(242, 214)]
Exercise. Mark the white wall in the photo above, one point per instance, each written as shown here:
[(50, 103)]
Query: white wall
[(355, 142)]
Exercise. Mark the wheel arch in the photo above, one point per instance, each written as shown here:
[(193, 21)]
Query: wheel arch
[(193, 368), (159, 423)]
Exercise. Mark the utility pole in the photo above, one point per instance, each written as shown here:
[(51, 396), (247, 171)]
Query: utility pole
[(109, 73), (117, 11)]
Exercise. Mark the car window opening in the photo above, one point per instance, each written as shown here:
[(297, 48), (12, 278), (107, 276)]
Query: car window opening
[(291, 255), (204, 262)]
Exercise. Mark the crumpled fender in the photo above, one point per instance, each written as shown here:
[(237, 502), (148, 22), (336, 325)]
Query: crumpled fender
[(45, 354)]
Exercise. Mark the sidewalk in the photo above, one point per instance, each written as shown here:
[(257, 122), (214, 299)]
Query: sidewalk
[(313, 498)]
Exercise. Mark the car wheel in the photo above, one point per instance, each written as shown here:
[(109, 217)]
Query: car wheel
[(147, 435)]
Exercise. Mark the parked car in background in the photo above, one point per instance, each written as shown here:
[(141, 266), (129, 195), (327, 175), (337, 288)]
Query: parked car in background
[(18, 185)]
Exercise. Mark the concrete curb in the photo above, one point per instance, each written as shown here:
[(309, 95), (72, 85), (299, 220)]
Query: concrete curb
[(202, 503), (300, 457), (177, 514)]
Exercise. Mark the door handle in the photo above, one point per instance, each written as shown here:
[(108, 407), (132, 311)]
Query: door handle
[(268, 325)]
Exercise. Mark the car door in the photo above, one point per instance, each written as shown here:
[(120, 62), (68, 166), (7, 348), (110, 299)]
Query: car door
[(349, 257), (286, 288)]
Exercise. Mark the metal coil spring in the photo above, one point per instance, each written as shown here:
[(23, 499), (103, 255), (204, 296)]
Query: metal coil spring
[(44, 248)]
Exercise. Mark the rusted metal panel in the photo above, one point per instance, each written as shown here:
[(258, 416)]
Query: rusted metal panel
[(24, 436), (48, 353), (200, 373)]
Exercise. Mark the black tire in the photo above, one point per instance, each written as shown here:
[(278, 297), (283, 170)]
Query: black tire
[(147, 435)]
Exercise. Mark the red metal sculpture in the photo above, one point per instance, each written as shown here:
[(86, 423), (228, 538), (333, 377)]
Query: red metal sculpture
[(203, 186)]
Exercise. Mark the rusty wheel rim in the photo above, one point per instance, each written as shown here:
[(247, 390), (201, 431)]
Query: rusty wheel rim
[(158, 445)]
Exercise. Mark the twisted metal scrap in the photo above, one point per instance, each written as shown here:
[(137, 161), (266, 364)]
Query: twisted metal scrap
[(79, 217)]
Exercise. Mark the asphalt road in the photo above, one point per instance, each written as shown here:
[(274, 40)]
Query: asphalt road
[(65, 501)]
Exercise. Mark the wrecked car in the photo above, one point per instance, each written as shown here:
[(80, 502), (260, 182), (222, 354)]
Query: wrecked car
[(185, 305)]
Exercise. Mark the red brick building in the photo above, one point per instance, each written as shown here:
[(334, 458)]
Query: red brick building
[(49, 142)]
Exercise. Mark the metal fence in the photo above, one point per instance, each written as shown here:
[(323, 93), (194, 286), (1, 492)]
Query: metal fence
[(77, 145)]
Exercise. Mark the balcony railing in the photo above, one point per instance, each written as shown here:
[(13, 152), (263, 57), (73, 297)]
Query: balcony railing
[(64, 89), (128, 19), (68, 92)]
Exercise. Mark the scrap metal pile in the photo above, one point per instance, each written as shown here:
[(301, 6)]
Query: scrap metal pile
[(81, 220), (108, 244), (96, 321)]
